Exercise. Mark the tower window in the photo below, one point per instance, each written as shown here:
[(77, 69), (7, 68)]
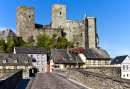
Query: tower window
[(60, 13)]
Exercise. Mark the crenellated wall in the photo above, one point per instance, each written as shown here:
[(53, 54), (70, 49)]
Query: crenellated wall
[(96, 80)]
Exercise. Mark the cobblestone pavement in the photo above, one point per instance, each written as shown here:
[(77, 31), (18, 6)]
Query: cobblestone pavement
[(78, 85), (51, 81)]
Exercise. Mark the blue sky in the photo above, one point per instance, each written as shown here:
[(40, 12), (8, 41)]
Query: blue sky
[(113, 19)]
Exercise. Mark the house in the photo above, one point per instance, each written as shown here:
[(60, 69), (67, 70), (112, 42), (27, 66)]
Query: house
[(38, 56), (16, 61), (95, 58), (69, 60), (6, 33), (124, 63)]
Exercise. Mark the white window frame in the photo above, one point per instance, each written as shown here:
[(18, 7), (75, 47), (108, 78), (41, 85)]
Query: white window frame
[(15, 61), (38, 56), (38, 62), (26, 61), (89, 62), (4, 61), (42, 56), (42, 62), (99, 62)]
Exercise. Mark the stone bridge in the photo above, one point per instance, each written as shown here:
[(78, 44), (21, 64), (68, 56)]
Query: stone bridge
[(96, 80)]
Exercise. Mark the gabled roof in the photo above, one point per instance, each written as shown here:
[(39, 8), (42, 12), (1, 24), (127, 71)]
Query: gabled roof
[(63, 53), (90, 53), (119, 59), (28, 50), (11, 57), (6, 33)]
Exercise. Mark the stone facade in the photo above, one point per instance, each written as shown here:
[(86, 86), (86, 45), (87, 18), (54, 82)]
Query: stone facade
[(83, 32), (25, 21), (96, 80)]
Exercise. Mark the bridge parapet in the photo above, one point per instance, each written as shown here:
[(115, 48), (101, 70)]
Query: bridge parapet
[(96, 80)]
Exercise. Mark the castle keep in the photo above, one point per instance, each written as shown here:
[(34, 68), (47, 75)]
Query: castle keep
[(83, 32)]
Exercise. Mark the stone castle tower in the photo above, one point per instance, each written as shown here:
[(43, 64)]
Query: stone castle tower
[(82, 32), (25, 21)]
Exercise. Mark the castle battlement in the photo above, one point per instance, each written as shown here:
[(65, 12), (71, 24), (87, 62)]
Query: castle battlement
[(84, 32)]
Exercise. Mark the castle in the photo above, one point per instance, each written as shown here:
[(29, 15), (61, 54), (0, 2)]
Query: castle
[(84, 32)]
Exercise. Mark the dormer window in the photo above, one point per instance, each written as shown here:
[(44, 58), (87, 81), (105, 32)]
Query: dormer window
[(4, 61), (26, 61), (15, 61), (64, 59), (117, 59)]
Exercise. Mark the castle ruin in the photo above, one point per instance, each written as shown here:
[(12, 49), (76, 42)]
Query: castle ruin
[(84, 32)]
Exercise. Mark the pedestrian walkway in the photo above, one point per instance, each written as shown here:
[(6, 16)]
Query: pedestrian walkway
[(51, 81)]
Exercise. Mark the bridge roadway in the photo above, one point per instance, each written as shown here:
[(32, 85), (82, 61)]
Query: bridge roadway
[(54, 81)]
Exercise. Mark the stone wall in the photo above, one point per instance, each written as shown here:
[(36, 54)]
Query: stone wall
[(25, 72), (96, 80), (110, 71), (11, 79)]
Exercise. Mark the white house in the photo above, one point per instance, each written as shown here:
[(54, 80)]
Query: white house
[(38, 56), (124, 63)]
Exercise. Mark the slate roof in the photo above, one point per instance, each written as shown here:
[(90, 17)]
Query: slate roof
[(91, 54), (6, 33), (63, 52), (11, 57), (28, 50), (119, 59)]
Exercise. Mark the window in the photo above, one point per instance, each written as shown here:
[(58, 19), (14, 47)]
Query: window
[(15, 67), (26, 61), (127, 75), (124, 75), (64, 59), (127, 67), (42, 62), (73, 27), (80, 34), (26, 67), (4, 67), (15, 61), (72, 22), (70, 30), (99, 62), (42, 69), (42, 57), (12, 67), (60, 13), (38, 63), (4, 61), (106, 62), (89, 62), (123, 67), (38, 56), (93, 62)]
